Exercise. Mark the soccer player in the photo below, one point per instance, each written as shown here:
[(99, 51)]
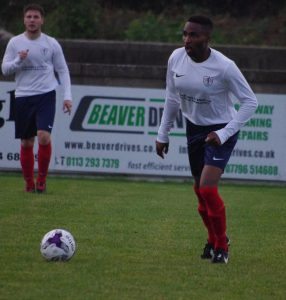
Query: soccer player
[(34, 58), (199, 80)]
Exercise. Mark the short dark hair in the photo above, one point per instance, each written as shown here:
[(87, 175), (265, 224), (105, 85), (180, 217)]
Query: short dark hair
[(202, 20), (34, 6)]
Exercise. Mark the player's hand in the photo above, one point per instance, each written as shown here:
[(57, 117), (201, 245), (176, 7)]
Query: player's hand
[(213, 139), (23, 54), (162, 148), (67, 106)]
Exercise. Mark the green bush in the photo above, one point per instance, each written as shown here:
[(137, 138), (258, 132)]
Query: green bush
[(159, 22), (73, 20), (153, 28)]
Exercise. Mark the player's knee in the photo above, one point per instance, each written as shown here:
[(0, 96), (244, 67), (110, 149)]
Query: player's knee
[(27, 143), (214, 202), (44, 137)]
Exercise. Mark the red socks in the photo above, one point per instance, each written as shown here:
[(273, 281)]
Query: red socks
[(202, 209), (27, 164), (215, 215), (44, 157)]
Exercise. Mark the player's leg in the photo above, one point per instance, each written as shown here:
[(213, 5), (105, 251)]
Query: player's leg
[(27, 163), (44, 157), (45, 121), (25, 130), (196, 136), (215, 207), (208, 250), (216, 159)]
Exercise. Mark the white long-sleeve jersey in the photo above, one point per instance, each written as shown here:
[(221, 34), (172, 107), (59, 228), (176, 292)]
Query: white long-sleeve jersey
[(203, 90), (36, 74)]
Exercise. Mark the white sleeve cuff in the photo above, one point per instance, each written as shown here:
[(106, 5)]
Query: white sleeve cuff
[(162, 138), (223, 135)]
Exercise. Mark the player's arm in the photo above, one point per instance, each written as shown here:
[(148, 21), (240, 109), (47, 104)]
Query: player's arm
[(62, 71), (248, 102), (171, 108), (13, 60)]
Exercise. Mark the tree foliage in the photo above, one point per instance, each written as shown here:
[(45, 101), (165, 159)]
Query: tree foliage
[(236, 22)]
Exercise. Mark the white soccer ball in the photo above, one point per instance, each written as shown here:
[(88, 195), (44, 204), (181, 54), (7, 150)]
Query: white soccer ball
[(58, 245)]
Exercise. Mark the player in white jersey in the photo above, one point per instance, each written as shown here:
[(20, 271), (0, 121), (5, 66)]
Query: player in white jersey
[(34, 58), (200, 81)]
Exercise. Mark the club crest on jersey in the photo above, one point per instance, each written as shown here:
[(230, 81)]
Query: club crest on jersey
[(44, 51), (208, 81)]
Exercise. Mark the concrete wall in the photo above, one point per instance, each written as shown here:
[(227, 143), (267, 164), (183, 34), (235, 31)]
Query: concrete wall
[(138, 64)]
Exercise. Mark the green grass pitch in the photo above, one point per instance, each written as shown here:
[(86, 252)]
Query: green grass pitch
[(139, 240)]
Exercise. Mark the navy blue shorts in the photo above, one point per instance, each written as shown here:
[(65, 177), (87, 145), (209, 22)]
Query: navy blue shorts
[(34, 113), (201, 154)]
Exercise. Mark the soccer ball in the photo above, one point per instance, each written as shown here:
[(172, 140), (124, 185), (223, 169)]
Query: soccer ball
[(58, 245)]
